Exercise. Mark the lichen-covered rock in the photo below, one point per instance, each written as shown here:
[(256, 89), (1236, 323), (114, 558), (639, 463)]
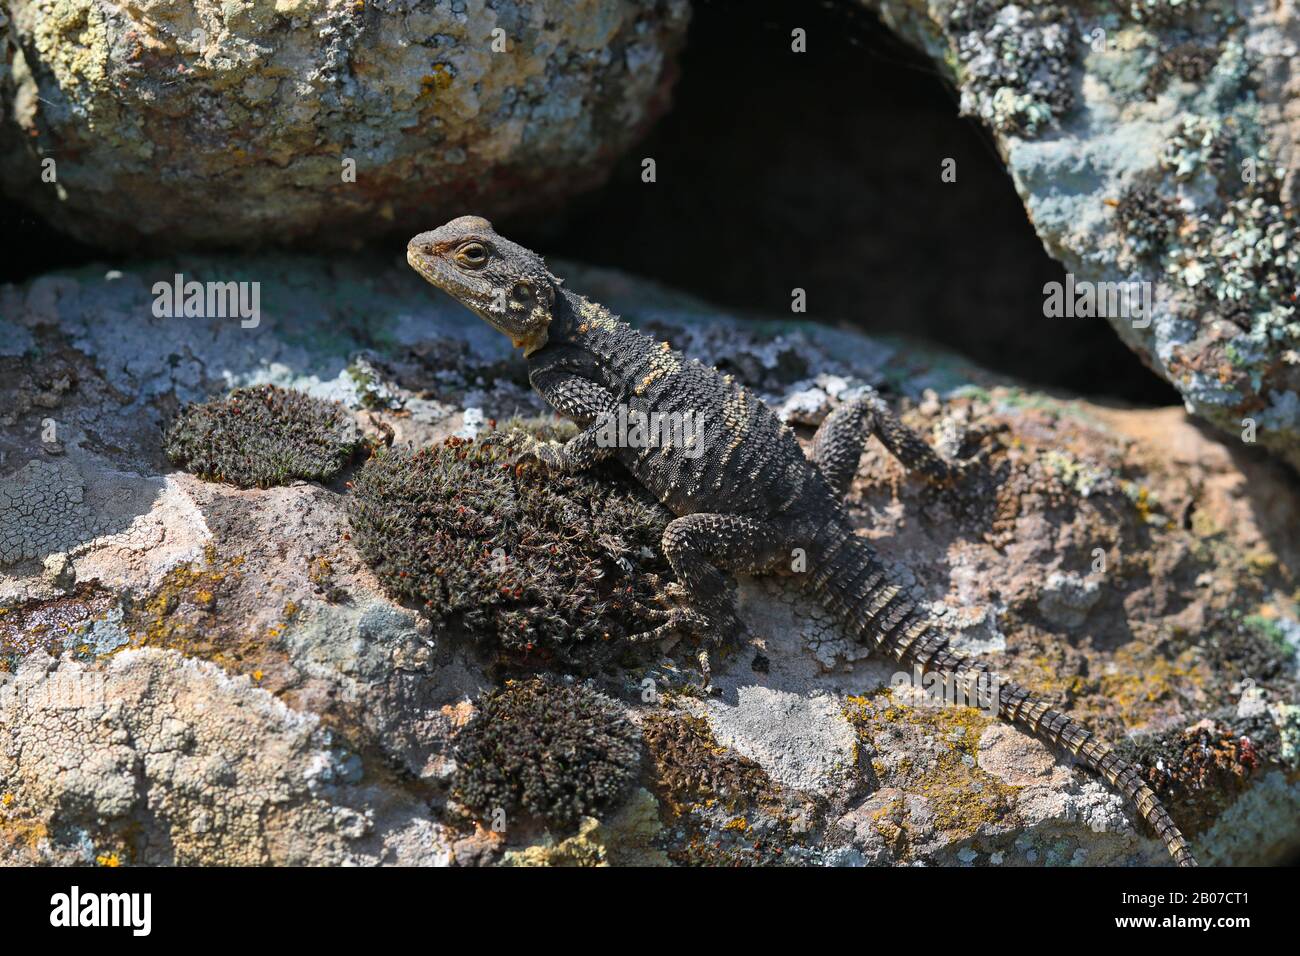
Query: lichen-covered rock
[(153, 759), (1135, 569), (1154, 142), (323, 121)]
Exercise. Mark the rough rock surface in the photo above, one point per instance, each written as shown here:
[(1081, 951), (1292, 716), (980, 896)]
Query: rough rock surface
[(195, 673), (1154, 141), (227, 124)]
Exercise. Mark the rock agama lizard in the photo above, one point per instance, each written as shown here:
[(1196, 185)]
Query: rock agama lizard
[(747, 496)]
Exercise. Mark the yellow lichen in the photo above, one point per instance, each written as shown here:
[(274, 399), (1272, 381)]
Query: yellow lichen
[(626, 838), (1141, 677), (962, 797)]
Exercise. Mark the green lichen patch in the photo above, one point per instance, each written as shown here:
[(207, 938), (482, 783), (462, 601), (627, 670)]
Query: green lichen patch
[(1245, 263), (263, 436), (1014, 62), (555, 566), (1199, 143), (546, 749), (1149, 678), (965, 800)]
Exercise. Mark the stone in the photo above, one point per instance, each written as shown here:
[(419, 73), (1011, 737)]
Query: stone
[(230, 683), (322, 121), (1154, 146)]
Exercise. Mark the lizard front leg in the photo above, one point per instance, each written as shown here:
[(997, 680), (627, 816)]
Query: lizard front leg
[(581, 399)]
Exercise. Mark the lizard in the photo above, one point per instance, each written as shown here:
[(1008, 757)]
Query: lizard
[(745, 495)]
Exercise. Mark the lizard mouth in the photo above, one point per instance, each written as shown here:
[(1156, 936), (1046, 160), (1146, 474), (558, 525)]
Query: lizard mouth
[(422, 265), (439, 275)]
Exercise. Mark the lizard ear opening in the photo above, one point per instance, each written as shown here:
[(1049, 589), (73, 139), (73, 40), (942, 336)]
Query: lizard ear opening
[(534, 298)]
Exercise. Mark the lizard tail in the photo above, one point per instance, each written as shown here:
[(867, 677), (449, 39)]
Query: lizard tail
[(854, 584)]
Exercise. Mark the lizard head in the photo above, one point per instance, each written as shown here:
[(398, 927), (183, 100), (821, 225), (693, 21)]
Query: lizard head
[(504, 284)]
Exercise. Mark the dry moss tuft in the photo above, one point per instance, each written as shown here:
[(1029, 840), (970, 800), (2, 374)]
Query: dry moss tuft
[(546, 749), (554, 565), (263, 436)]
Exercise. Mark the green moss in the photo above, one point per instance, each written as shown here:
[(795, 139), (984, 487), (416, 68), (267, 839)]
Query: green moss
[(263, 436), (550, 750), (552, 565)]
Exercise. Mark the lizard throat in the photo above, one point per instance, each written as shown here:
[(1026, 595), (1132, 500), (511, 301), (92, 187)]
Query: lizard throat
[(530, 344)]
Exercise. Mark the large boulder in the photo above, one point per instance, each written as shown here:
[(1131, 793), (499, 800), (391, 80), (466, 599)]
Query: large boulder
[(321, 121), (1154, 141), (191, 672)]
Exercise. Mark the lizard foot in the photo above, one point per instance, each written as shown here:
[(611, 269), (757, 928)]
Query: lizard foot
[(676, 622), (966, 472), (546, 455)]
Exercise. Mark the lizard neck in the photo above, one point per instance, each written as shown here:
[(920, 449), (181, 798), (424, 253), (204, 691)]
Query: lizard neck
[(584, 323)]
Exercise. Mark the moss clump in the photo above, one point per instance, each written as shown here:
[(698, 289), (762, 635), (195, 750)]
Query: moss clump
[(1147, 218), (546, 749), (263, 436), (1189, 62), (690, 765), (1202, 769), (556, 565)]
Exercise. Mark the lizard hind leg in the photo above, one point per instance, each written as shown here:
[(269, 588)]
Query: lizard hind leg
[(704, 551)]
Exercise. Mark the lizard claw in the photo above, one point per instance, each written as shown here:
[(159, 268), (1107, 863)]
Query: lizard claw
[(545, 454)]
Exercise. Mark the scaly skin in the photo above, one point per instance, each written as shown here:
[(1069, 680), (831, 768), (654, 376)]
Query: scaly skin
[(745, 495)]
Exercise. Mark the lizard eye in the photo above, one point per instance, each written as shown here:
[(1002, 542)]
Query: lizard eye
[(472, 254)]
